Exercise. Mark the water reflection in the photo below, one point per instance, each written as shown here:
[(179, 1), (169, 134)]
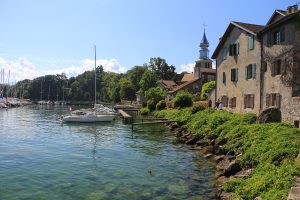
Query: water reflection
[(95, 161)]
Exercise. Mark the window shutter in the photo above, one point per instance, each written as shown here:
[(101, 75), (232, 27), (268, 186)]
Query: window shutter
[(268, 100), (236, 74), (232, 75), (252, 101), (273, 69), (224, 78), (254, 71), (246, 72), (237, 48), (282, 34), (283, 66), (278, 101), (245, 101), (230, 103), (269, 39)]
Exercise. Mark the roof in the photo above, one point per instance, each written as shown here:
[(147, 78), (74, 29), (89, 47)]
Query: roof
[(168, 83), (279, 22), (204, 40), (276, 13), (183, 85), (208, 70), (249, 28), (187, 77)]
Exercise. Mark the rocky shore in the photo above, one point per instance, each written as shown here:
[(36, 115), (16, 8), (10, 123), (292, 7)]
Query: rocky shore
[(226, 163)]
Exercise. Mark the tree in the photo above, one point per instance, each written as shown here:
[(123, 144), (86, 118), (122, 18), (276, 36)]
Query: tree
[(135, 75), (161, 68), (127, 90), (148, 80), (206, 88), (182, 99), (155, 94)]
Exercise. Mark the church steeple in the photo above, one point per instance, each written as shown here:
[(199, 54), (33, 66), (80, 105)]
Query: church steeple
[(204, 44)]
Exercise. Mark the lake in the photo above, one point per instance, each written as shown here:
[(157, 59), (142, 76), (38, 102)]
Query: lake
[(41, 158)]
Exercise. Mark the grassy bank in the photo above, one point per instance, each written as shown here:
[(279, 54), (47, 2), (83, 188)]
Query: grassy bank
[(269, 149)]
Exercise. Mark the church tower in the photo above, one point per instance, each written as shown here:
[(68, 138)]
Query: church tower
[(204, 61)]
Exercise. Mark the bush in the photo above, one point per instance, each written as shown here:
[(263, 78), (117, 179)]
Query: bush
[(161, 105), (151, 105), (197, 107), (182, 99), (144, 111), (206, 88)]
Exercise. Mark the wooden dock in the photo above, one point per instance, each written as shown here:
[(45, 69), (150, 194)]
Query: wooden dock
[(125, 115)]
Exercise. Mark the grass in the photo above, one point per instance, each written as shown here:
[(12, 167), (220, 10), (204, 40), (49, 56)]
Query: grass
[(270, 149)]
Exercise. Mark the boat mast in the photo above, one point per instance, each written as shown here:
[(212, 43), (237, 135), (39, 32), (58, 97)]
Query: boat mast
[(41, 89), (7, 90), (95, 80), (48, 92)]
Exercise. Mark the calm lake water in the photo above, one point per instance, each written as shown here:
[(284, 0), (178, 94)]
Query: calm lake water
[(41, 158)]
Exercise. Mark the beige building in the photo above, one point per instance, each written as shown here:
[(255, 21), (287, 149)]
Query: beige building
[(258, 66), (238, 62)]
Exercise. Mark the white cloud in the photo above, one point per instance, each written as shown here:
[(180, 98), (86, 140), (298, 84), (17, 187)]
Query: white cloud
[(186, 68), (24, 69)]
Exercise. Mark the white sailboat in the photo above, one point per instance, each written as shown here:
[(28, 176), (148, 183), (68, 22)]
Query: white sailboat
[(91, 115)]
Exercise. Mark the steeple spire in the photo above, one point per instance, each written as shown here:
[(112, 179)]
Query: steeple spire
[(204, 44)]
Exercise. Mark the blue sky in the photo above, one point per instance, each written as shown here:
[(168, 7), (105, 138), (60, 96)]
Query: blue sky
[(54, 36)]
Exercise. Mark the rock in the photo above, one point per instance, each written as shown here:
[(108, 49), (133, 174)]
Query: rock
[(192, 140), (209, 155), (232, 168), (219, 158), (245, 173), (173, 126), (271, 114), (212, 142), (208, 149), (230, 153), (202, 143), (220, 150), (223, 164), (221, 181)]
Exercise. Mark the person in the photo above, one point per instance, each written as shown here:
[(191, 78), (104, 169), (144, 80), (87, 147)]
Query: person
[(209, 103), (220, 107)]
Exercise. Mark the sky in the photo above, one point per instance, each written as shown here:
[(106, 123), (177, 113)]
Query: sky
[(58, 36)]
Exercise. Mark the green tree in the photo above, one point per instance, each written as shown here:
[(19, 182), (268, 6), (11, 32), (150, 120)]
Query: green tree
[(127, 90), (135, 75), (182, 99), (155, 95), (148, 80), (162, 69)]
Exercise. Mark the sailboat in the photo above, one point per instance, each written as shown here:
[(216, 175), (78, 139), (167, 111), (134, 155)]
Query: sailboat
[(90, 115)]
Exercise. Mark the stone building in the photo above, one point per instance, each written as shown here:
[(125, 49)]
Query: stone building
[(203, 72), (280, 81), (238, 62), (258, 66)]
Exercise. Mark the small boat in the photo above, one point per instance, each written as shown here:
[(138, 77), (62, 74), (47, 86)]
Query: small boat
[(88, 117), (97, 114)]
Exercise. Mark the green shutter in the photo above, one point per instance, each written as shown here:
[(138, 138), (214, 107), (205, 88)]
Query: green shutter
[(253, 71), (250, 42), (246, 72), (236, 74)]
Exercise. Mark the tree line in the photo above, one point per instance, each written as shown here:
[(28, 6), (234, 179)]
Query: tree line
[(111, 87)]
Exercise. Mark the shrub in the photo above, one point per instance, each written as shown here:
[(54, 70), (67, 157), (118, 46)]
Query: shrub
[(161, 105), (144, 111), (182, 99), (197, 107), (206, 88), (151, 105)]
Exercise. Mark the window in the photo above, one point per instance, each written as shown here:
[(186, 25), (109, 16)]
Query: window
[(276, 68), (224, 53), (265, 67), (250, 71), (250, 42), (232, 102), (224, 101), (276, 37), (273, 99), (234, 49), (234, 74), (249, 101), (224, 77)]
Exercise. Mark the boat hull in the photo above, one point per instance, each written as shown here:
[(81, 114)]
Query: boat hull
[(89, 118)]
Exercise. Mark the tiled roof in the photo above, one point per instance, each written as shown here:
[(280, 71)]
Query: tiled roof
[(168, 83), (183, 85), (187, 77), (251, 27)]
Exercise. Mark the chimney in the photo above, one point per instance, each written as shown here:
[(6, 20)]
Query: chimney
[(292, 9)]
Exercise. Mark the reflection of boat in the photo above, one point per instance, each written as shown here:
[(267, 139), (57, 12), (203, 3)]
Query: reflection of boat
[(88, 117), (97, 114)]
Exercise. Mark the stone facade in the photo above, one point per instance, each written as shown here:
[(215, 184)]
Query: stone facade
[(281, 72)]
